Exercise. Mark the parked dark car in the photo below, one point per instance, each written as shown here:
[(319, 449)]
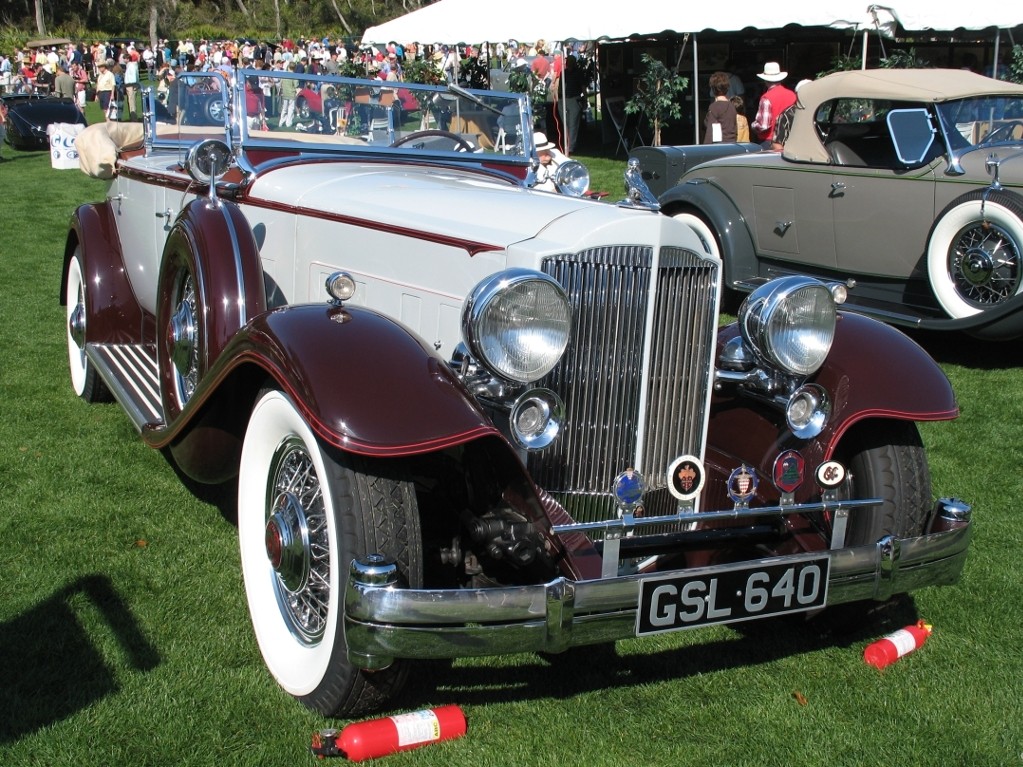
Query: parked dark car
[(903, 184), (28, 116)]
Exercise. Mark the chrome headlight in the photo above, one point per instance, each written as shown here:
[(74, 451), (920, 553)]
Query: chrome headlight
[(517, 323), (572, 178), (790, 323)]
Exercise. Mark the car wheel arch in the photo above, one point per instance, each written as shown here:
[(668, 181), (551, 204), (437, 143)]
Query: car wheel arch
[(710, 203)]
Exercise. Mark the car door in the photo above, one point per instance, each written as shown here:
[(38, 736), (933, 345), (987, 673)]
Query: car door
[(792, 206), (883, 206), (140, 207), (882, 217)]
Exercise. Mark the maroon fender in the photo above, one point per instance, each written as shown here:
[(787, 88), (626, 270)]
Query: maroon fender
[(873, 371), (363, 382), (212, 242), (114, 314)]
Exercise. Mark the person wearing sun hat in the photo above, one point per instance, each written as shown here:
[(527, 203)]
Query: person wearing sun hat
[(550, 158), (775, 100), (105, 85)]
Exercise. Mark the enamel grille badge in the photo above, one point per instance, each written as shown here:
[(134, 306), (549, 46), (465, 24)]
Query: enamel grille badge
[(742, 485), (685, 477), (830, 474), (789, 468)]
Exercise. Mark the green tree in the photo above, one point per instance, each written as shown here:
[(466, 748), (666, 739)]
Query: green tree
[(1015, 68), (658, 95)]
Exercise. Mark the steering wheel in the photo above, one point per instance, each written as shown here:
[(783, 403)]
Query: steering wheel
[(460, 144), (996, 134)]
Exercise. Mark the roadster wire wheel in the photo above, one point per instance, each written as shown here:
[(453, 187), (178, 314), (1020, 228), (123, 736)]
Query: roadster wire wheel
[(974, 253), (304, 513), (84, 379)]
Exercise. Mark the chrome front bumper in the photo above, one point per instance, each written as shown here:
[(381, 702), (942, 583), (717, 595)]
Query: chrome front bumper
[(384, 621)]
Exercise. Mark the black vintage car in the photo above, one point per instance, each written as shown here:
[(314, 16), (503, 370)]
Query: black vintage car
[(28, 116)]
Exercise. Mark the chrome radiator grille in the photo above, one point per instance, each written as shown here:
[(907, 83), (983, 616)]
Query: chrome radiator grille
[(637, 376)]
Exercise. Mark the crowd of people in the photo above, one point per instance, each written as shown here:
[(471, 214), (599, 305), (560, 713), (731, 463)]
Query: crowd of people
[(112, 73)]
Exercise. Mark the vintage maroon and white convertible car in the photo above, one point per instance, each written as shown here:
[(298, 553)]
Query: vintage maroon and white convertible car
[(467, 417)]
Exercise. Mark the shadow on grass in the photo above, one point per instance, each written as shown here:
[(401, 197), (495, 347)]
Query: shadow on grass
[(966, 351), (589, 669), (52, 667)]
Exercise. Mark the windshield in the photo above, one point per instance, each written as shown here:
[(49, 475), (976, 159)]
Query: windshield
[(263, 108), (982, 121)]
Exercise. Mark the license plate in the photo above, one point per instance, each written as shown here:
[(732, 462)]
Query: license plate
[(732, 593)]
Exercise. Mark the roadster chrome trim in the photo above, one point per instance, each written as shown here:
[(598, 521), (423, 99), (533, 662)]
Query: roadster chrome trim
[(384, 622)]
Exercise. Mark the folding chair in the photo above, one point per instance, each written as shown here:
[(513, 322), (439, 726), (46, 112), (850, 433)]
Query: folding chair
[(615, 109)]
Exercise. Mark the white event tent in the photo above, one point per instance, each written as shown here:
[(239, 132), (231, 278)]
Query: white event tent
[(467, 21)]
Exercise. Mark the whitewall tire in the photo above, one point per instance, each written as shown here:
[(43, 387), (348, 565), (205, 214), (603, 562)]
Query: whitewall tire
[(304, 513), (974, 253), (85, 381)]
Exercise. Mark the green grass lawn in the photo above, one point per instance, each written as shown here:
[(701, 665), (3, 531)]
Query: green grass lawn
[(125, 642)]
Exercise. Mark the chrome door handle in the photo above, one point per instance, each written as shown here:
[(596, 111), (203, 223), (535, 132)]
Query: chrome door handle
[(168, 214)]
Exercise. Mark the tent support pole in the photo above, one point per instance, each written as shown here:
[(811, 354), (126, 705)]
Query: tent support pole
[(696, 90)]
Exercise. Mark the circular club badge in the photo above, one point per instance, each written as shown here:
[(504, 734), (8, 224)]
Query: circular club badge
[(685, 477), (830, 474), (628, 488), (742, 484)]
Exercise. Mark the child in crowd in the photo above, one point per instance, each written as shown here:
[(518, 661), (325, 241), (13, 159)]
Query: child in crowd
[(741, 123)]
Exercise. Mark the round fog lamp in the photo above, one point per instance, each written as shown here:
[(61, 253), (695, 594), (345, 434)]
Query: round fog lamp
[(807, 411), (536, 418), (572, 178)]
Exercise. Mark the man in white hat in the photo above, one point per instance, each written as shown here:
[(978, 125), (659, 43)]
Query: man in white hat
[(775, 100)]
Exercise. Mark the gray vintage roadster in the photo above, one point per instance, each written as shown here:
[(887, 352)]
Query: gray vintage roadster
[(903, 184)]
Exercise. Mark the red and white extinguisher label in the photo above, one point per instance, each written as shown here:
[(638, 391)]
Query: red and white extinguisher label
[(417, 727), (903, 640)]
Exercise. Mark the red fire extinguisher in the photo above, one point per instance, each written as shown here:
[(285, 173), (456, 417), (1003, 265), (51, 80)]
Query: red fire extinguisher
[(388, 735), (886, 651)]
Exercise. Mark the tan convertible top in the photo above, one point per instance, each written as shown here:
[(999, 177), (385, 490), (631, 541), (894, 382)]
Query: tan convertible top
[(921, 85)]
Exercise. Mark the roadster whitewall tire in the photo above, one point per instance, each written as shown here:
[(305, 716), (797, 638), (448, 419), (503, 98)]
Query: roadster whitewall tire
[(974, 253), (304, 513), (85, 381)]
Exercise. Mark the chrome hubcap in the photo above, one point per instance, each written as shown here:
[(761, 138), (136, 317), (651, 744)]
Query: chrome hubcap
[(977, 266), (76, 325), (287, 542), (985, 265)]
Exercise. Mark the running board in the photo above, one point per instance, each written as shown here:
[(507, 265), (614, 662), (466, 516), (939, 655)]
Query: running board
[(131, 374)]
